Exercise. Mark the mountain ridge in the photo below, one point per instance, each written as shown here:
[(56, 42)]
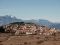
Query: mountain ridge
[(9, 19)]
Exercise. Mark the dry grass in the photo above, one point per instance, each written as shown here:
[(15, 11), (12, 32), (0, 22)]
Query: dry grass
[(29, 39)]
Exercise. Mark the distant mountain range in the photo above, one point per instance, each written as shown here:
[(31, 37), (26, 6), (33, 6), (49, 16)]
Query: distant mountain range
[(9, 19)]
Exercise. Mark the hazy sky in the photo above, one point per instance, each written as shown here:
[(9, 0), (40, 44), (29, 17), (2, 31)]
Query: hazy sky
[(31, 9)]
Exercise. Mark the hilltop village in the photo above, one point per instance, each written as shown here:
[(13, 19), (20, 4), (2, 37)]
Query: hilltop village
[(28, 28), (27, 33)]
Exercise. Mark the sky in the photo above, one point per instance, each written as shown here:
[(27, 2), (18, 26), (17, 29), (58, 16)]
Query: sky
[(31, 9)]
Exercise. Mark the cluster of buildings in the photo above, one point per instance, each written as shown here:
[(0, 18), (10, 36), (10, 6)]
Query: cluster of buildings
[(28, 28)]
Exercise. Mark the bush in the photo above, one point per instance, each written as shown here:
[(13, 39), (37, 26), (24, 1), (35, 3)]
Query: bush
[(39, 42), (1, 44), (25, 43)]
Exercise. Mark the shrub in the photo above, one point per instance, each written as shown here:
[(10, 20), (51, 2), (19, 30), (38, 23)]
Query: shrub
[(25, 43), (1, 44), (39, 42)]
